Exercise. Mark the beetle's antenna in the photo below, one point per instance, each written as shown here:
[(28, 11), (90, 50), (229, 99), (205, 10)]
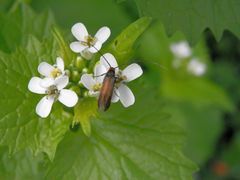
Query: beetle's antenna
[(102, 55)]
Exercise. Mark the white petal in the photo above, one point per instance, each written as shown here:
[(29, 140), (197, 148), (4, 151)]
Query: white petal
[(77, 47), (79, 31), (132, 72), (61, 82), (99, 72), (115, 96), (68, 98), (88, 81), (181, 50), (96, 48), (44, 106), (126, 96), (47, 82), (34, 85), (103, 34), (60, 63), (45, 69), (108, 59), (196, 67)]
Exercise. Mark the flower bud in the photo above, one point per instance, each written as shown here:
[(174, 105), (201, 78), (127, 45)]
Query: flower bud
[(85, 70), (80, 63), (75, 76)]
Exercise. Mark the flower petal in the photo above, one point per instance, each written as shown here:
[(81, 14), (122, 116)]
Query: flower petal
[(115, 96), (79, 31), (61, 82), (99, 72), (108, 59), (34, 85), (44, 106), (45, 69), (88, 81), (196, 67), (60, 63), (47, 82), (103, 34), (68, 98), (181, 49), (126, 96), (132, 72), (77, 47), (96, 48)]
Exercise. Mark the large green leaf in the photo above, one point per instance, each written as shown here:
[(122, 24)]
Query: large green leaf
[(139, 142), (22, 165), (196, 90), (20, 127), (199, 146), (93, 13), (192, 17), (17, 25)]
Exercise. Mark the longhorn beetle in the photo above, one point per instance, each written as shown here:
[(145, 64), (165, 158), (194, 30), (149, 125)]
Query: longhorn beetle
[(106, 91)]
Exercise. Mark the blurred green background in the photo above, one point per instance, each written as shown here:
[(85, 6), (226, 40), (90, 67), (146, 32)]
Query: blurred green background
[(207, 106)]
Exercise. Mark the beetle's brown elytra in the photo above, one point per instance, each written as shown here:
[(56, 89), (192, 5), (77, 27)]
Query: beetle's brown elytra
[(106, 92)]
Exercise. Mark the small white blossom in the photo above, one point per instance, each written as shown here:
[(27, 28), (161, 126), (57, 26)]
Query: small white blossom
[(121, 90), (87, 44), (196, 67), (54, 90), (181, 50), (94, 83), (52, 71)]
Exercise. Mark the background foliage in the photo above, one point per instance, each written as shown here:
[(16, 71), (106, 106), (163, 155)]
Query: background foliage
[(176, 114)]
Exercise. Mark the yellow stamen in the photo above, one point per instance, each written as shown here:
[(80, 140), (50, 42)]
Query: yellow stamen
[(89, 41), (56, 72), (97, 87)]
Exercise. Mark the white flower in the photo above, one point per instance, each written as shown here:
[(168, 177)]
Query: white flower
[(181, 50), (94, 83), (196, 67), (52, 71), (131, 72), (86, 43), (54, 91)]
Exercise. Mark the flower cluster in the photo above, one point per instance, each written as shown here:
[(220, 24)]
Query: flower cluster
[(54, 78), (121, 91), (183, 55), (52, 84)]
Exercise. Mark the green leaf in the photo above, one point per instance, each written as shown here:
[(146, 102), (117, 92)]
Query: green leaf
[(20, 127), (199, 146), (69, 12), (18, 25), (192, 17), (122, 45), (23, 165), (126, 143), (83, 111), (5, 5), (196, 90)]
